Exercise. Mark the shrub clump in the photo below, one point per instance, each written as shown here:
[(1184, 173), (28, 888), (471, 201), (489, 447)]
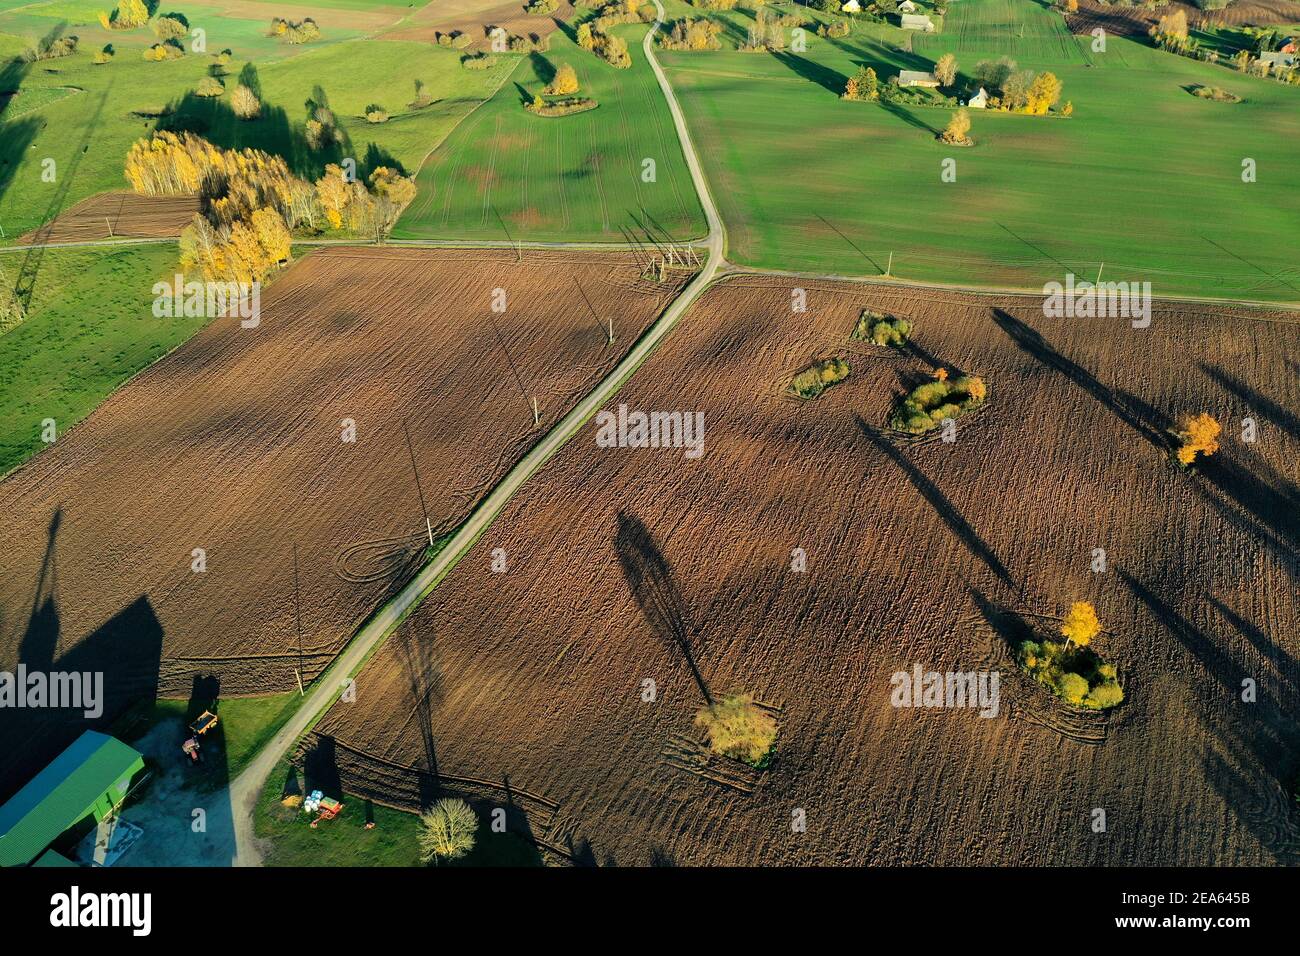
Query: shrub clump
[(927, 405), (819, 376), (1070, 668), (376, 114), (561, 107), (210, 87), (167, 50), (1215, 93), (740, 729), (882, 329), (478, 61)]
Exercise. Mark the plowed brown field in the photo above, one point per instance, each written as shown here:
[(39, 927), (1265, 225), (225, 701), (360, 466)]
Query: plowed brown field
[(1137, 21), (476, 18), (119, 215), (232, 444), (631, 564)]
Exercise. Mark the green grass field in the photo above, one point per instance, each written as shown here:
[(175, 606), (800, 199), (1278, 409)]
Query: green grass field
[(88, 134), (90, 328), (1144, 177), (573, 177)]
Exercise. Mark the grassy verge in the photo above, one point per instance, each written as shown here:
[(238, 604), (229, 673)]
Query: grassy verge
[(345, 841)]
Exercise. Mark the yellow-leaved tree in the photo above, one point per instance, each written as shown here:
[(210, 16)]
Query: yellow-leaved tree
[(1080, 625), (1198, 434), (564, 82), (739, 728)]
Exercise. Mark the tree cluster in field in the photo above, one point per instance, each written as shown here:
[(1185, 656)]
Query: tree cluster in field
[(819, 376), (103, 56), (927, 405), (835, 30), (172, 26), (127, 15), (894, 92), (565, 106), (529, 44), (688, 34), (862, 86), (564, 82), (52, 48), (376, 114), (210, 87), (613, 50), (716, 6), (167, 50), (478, 61), (294, 33), (542, 7), (1019, 91), (881, 329), (766, 35), (1070, 668), (454, 41), (252, 202)]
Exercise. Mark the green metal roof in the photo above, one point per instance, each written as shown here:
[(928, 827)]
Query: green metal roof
[(52, 859), (63, 793)]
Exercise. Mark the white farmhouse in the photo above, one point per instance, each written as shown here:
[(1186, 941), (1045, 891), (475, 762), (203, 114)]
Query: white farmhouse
[(917, 21), (907, 6), (979, 101)]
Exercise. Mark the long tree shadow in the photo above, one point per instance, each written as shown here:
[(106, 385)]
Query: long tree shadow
[(1267, 504), (1033, 344), (650, 579), (1261, 738), (1255, 401), (907, 116), (938, 501), (1266, 646), (425, 684), (15, 135), (823, 76)]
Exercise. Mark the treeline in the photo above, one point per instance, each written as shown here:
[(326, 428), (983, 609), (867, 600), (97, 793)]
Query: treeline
[(1018, 91), (252, 203)]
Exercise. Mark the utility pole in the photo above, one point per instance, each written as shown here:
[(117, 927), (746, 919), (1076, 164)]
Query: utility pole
[(297, 618)]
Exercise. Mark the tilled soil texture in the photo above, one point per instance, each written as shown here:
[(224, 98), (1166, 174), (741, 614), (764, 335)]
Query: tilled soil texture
[(1137, 21), (627, 565), (477, 18), (233, 444), (120, 215)]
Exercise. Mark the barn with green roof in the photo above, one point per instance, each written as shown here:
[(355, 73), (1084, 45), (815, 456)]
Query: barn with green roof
[(88, 780)]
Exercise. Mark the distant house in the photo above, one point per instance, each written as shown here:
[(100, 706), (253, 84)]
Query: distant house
[(852, 6), (917, 21), (1280, 60), (907, 6), (979, 101), (1289, 45), (917, 78)]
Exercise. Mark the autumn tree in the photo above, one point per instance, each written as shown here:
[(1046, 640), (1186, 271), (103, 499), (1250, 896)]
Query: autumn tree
[(1044, 93), (862, 85), (945, 70), (170, 27), (1080, 626), (447, 831), (564, 82), (739, 728), (957, 132), (586, 39), (127, 15), (1197, 434), (210, 86), (245, 103)]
